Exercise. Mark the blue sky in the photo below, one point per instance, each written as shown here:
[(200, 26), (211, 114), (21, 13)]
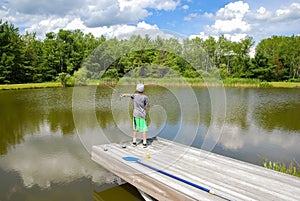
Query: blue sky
[(121, 18)]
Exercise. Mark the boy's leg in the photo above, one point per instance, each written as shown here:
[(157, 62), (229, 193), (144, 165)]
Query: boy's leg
[(134, 136), (135, 133), (139, 124), (144, 138), (145, 128)]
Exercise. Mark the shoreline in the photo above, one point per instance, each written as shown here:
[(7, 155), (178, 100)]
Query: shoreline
[(29, 86), (196, 84)]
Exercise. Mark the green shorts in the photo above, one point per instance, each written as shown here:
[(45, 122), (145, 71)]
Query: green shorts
[(139, 124)]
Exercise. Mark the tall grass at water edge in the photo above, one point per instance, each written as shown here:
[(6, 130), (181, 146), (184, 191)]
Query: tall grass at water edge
[(230, 82), (291, 169)]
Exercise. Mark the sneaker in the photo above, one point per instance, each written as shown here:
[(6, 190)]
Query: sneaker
[(134, 144), (144, 145)]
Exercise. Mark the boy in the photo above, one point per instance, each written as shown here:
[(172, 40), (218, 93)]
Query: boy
[(141, 103)]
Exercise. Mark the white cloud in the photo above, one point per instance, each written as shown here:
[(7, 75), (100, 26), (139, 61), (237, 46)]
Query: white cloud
[(46, 16), (185, 7), (108, 13), (232, 37), (229, 21), (286, 14), (202, 35), (191, 16), (120, 31), (208, 15), (289, 13), (231, 18), (262, 14), (142, 29), (229, 26), (284, 20), (236, 19), (259, 19), (45, 7), (155, 4), (164, 5), (235, 37), (235, 10), (48, 25), (144, 25), (114, 12)]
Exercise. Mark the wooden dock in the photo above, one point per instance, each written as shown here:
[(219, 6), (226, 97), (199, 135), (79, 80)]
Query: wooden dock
[(230, 179)]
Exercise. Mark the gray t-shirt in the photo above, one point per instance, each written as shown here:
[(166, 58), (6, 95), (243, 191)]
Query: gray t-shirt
[(140, 102)]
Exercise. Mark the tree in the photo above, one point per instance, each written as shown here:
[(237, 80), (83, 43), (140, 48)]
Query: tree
[(12, 55), (263, 68), (24, 58), (282, 54), (293, 56), (63, 78), (51, 66), (33, 60)]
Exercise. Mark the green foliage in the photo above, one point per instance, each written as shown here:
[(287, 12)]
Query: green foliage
[(241, 81), (278, 58), (63, 78), (26, 59), (294, 80), (265, 85), (81, 76), (74, 56), (12, 68), (292, 169), (30, 86)]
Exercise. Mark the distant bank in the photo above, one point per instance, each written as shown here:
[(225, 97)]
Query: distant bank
[(151, 82)]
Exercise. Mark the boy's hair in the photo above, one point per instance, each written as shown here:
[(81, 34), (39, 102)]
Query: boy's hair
[(140, 88)]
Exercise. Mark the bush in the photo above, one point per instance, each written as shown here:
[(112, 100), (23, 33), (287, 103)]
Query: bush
[(265, 85), (63, 78), (81, 76), (294, 80)]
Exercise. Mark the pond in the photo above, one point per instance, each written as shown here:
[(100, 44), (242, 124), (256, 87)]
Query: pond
[(46, 134)]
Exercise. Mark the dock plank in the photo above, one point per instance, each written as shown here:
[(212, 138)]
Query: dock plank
[(230, 178)]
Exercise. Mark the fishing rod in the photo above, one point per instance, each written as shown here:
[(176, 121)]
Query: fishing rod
[(119, 93), (137, 160)]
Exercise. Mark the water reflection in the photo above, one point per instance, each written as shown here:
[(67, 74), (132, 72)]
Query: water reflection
[(238, 107), (23, 112), (44, 160), (259, 124), (40, 155), (252, 115), (122, 192), (40, 150), (285, 117)]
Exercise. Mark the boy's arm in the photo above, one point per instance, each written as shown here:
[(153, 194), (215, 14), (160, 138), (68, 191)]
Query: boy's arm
[(147, 103), (125, 95)]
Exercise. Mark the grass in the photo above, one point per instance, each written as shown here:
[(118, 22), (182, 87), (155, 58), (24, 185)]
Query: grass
[(241, 82), (292, 169), (30, 86), (285, 84), (230, 82)]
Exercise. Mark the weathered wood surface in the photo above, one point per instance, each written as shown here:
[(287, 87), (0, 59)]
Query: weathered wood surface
[(230, 178)]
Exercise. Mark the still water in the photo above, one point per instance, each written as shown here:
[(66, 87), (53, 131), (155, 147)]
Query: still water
[(46, 134)]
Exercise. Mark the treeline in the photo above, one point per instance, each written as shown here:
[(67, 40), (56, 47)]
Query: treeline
[(26, 59)]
